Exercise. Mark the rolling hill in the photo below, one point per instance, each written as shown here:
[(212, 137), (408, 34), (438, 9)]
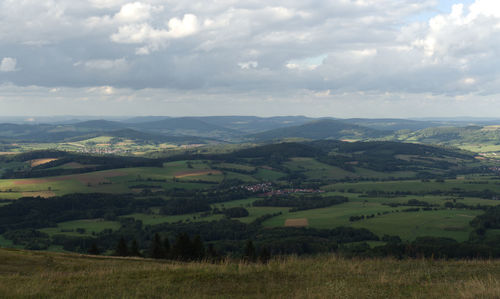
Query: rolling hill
[(253, 124), (454, 135), (186, 126), (320, 129), (392, 124)]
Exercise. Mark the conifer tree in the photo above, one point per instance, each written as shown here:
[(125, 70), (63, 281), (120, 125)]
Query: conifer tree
[(134, 249), (250, 253), (211, 252), (167, 248), (156, 249), (198, 250), (182, 249), (121, 248), (265, 255), (93, 249)]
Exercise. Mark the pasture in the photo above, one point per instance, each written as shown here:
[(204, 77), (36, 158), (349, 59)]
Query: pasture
[(80, 228), (453, 223), (153, 219), (172, 175), (476, 184)]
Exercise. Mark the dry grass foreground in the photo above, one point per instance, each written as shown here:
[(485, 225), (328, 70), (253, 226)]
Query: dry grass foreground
[(41, 275)]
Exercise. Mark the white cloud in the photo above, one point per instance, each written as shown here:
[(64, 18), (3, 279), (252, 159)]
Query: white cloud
[(134, 12), (248, 65), (186, 26), (106, 3), (154, 38), (469, 81), (365, 52), (488, 8), (102, 90), (129, 13), (8, 64), (463, 31), (104, 64)]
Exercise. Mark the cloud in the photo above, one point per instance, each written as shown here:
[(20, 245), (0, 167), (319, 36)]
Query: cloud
[(308, 63), (102, 90), (154, 38), (134, 12), (186, 26), (248, 65), (104, 64), (106, 3), (270, 49), (8, 64)]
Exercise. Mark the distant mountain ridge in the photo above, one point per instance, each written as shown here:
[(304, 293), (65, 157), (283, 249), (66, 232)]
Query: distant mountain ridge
[(238, 129)]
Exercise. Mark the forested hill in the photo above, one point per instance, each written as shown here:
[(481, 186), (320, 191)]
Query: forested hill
[(321, 129), (453, 135), (240, 129)]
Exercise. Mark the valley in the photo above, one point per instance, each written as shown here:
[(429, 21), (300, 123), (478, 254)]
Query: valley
[(301, 197)]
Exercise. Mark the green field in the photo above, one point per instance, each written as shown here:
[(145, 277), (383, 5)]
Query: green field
[(153, 219), (120, 146), (112, 181), (87, 227), (317, 170), (330, 217), (198, 175), (314, 169), (417, 186), (410, 225), (268, 174)]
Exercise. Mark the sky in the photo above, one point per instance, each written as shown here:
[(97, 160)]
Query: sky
[(338, 58)]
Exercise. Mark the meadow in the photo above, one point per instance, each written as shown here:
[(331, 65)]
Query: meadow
[(28, 274)]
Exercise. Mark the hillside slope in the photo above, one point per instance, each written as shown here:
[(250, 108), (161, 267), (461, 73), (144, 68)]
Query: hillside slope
[(321, 129), (41, 275), (454, 135)]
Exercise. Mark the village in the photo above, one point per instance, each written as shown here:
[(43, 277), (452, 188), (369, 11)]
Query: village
[(266, 190)]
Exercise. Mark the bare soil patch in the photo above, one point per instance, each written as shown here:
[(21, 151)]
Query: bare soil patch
[(38, 162), (44, 194), (298, 222), (7, 153), (195, 173)]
